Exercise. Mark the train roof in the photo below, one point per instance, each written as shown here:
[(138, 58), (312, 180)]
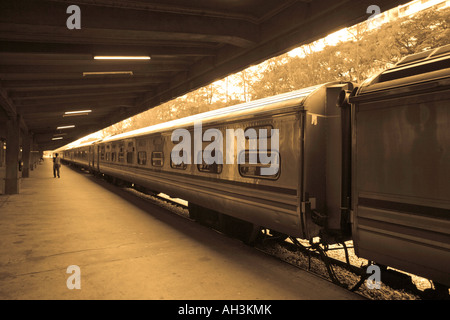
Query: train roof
[(278, 102), (427, 66), (84, 144)]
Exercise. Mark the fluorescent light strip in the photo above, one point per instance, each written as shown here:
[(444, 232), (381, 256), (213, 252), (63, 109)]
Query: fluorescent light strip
[(108, 73), (60, 138), (122, 58), (75, 112), (65, 127)]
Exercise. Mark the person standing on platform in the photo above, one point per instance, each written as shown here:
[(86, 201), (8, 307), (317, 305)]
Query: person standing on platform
[(56, 165)]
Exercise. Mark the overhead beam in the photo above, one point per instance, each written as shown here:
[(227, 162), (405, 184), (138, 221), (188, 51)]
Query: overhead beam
[(9, 107), (89, 67), (27, 76), (47, 50), (69, 94), (51, 85), (94, 104), (7, 104), (110, 97), (172, 8), (100, 25)]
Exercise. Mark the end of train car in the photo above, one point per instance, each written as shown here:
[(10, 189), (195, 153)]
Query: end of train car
[(401, 166)]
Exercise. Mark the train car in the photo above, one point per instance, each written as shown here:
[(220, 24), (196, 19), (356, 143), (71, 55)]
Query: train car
[(302, 197), (401, 166), (81, 156)]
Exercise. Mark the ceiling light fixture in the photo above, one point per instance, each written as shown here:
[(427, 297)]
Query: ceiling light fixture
[(76, 113), (65, 127), (130, 73), (59, 138), (121, 57)]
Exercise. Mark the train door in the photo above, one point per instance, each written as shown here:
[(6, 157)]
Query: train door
[(91, 157), (98, 158)]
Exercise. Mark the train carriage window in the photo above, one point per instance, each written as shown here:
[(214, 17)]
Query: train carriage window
[(130, 152), (113, 156), (209, 168), (142, 158), (102, 153), (130, 157), (158, 159), (181, 166), (255, 170), (121, 154)]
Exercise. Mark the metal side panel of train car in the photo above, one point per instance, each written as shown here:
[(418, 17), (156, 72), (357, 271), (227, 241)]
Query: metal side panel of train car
[(401, 167), (233, 189)]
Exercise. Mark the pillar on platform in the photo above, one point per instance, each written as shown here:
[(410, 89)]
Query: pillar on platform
[(26, 155), (12, 156)]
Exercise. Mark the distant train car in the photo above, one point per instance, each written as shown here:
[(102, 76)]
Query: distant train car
[(81, 155), (401, 166)]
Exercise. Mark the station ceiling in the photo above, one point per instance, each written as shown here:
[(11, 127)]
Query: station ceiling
[(46, 69)]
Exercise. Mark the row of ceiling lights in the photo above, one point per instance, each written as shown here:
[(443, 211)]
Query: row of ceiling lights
[(86, 112)]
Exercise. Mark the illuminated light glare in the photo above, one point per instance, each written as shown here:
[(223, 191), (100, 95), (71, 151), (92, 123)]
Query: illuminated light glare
[(122, 58), (65, 127), (58, 138), (75, 112)]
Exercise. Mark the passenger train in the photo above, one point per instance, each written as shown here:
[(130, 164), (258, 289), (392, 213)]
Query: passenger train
[(368, 163)]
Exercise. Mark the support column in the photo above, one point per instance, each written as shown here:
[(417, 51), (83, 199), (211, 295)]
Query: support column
[(26, 155), (12, 156)]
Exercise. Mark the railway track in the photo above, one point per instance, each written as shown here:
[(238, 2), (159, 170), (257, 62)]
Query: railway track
[(336, 263)]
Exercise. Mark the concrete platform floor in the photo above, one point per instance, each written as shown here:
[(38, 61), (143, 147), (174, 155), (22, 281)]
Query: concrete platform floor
[(129, 249)]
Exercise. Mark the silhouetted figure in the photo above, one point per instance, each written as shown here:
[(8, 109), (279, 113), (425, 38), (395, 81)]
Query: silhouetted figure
[(56, 165)]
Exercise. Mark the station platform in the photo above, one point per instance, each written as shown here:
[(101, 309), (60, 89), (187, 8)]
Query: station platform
[(126, 248)]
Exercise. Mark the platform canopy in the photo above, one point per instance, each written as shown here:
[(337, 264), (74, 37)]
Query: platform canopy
[(47, 51)]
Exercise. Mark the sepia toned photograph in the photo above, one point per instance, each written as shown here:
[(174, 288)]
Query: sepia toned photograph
[(225, 158)]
